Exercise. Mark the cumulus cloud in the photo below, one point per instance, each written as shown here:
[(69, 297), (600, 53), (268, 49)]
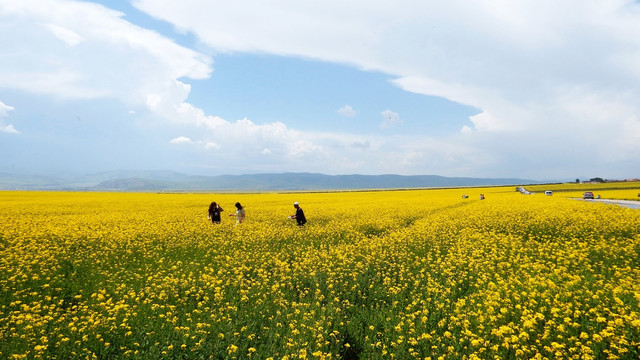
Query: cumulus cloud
[(4, 112), (211, 145), (80, 50), (8, 129), (4, 109), (548, 79), (527, 66), (83, 50), (389, 119), (347, 111), (181, 140)]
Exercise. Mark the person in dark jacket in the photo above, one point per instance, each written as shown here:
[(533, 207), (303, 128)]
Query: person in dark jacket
[(214, 212), (299, 215)]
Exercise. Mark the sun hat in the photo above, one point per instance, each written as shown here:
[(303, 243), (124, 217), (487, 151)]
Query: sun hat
[(295, 203)]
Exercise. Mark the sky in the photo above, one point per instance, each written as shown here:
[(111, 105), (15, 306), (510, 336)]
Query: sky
[(483, 88)]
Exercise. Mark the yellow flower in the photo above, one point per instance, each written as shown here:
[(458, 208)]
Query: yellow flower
[(503, 273)]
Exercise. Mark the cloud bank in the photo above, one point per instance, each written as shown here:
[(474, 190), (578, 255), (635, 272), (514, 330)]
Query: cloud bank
[(556, 85), (539, 71)]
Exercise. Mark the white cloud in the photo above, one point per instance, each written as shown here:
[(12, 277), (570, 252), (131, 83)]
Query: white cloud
[(8, 129), (304, 148), (347, 111), (69, 37), (389, 119), (181, 140), (4, 109), (4, 112), (513, 61), (80, 50), (244, 138), (550, 81), (211, 145), (466, 129), (486, 122)]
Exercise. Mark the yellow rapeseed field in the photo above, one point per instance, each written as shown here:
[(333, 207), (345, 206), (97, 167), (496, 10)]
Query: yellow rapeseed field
[(612, 190), (423, 274)]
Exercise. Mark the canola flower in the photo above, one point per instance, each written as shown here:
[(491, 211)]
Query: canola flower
[(421, 274)]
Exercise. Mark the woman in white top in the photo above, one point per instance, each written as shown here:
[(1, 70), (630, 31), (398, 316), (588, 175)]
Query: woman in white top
[(239, 213)]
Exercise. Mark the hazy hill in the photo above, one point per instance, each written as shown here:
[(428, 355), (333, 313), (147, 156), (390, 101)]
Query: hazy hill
[(29, 182), (174, 181)]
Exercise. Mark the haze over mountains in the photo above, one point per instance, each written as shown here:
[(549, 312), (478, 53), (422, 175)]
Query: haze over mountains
[(174, 181)]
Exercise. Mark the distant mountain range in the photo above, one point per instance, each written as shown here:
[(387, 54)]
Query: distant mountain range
[(173, 181)]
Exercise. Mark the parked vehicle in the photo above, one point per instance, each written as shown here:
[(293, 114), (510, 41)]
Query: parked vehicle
[(548, 192), (587, 195)]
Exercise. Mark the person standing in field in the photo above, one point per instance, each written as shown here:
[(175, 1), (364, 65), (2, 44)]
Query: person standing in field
[(299, 215), (239, 213), (214, 212)]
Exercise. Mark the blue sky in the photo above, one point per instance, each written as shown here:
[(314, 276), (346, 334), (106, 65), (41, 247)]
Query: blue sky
[(480, 89), (306, 93)]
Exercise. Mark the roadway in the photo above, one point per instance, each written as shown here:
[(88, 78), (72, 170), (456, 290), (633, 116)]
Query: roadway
[(628, 203)]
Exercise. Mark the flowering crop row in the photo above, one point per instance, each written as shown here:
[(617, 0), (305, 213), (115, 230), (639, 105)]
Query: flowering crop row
[(373, 275)]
